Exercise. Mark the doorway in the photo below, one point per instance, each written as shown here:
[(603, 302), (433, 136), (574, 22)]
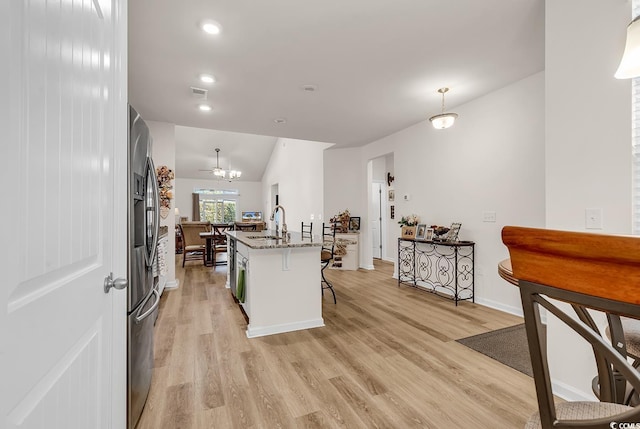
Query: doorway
[(376, 211), (379, 208)]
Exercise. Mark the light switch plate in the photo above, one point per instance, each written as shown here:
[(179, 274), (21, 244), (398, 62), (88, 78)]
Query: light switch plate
[(489, 216)]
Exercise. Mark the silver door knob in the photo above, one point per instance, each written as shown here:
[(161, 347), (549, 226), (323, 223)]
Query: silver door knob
[(110, 282)]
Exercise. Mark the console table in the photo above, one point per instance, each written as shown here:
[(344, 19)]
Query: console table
[(441, 267)]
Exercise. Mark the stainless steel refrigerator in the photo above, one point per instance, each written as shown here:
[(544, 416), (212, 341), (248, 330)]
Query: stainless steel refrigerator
[(143, 296)]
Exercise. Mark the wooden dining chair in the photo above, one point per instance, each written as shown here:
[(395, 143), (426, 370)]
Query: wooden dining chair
[(220, 241), (194, 246), (592, 273)]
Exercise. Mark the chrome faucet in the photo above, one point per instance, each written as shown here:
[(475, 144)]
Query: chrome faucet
[(284, 222)]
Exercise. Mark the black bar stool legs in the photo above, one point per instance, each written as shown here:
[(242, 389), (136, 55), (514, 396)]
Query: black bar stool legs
[(325, 282)]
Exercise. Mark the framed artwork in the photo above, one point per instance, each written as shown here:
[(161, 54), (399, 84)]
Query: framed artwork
[(452, 235), (428, 234), (392, 195), (393, 212), (354, 223), (421, 230)]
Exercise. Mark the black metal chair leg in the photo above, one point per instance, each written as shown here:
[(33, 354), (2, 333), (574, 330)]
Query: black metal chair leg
[(328, 285)]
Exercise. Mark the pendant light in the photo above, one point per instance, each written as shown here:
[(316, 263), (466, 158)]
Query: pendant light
[(630, 64), (443, 120)]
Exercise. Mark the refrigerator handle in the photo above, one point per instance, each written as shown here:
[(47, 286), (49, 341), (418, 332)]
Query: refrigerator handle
[(156, 211), (140, 317)]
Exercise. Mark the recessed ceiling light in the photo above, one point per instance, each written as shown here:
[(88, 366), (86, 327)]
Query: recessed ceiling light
[(310, 88), (211, 27), (207, 78), (204, 107), (280, 120)]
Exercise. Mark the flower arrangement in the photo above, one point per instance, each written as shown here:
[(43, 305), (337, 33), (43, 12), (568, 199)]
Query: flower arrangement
[(341, 221), (411, 220), (165, 176)]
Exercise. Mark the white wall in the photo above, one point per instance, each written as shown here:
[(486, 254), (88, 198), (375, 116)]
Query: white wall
[(297, 167), (492, 159), (588, 145), (164, 153), (345, 187), (248, 200), (344, 182)]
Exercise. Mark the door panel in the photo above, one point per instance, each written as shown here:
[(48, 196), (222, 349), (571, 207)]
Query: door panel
[(59, 322), (375, 215)]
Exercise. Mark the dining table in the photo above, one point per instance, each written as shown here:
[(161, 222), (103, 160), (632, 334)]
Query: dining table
[(214, 238)]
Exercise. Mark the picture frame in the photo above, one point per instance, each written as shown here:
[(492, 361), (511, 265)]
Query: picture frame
[(452, 235), (409, 232), (393, 212), (428, 234), (354, 223), (421, 230), (392, 195)]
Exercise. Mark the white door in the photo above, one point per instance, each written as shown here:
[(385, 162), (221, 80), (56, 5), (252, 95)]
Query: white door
[(64, 169), (375, 214)]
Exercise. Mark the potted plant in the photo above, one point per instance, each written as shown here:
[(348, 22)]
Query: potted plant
[(408, 224)]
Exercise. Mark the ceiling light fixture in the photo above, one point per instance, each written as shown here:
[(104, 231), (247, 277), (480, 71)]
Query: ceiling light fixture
[(207, 78), (630, 64), (443, 120), (280, 120), (204, 107), (222, 173), (211, 27)]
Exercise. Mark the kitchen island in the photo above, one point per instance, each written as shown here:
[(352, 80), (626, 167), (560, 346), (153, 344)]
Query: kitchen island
[(280, 278)]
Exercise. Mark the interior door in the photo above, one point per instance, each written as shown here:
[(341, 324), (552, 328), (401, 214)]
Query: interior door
[(375, 207), (63, 348)]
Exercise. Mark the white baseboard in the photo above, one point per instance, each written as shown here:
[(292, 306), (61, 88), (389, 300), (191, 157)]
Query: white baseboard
[(174, 284), (569, 393), (368, 267), (279, 329), (389, 259), (516, 311)]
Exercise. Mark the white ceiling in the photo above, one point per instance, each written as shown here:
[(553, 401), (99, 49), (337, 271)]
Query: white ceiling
[(377, 65)]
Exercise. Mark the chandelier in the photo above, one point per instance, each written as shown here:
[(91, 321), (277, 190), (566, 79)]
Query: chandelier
[(223, 174)]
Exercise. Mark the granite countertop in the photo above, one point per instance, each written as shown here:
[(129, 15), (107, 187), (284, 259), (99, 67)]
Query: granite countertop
[(264, 240)]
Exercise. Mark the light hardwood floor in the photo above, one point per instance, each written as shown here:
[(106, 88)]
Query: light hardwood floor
[(386, 358)]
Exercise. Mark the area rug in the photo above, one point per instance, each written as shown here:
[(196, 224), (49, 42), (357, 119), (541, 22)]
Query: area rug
[(508, 346)]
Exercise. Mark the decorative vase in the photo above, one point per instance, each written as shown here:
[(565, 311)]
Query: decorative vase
[(409, 232)]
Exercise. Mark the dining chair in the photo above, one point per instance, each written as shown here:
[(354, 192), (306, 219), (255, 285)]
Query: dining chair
[(220, 241), (592, 273), (326, 256), (194, 246), (246, 227)]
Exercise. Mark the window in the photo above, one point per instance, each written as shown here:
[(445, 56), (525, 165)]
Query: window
[(217, 205), (217, 210)]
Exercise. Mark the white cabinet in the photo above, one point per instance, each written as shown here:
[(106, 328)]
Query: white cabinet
[(346, 251)]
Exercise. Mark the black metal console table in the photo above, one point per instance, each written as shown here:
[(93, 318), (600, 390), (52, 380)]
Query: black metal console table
[(441, 267)]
